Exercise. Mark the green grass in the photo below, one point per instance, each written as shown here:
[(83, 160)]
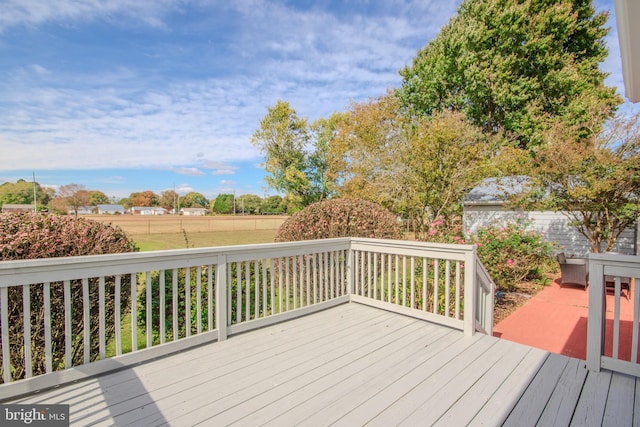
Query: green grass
[(156, 242)]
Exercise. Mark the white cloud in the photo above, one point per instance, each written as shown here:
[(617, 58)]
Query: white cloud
[(35, 12), (188, 171)]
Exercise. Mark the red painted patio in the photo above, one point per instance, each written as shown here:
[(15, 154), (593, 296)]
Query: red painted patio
[(556, 320)]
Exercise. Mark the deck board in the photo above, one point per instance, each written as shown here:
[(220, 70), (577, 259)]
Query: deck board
[(352, 365), (559, 410), (619, 410)]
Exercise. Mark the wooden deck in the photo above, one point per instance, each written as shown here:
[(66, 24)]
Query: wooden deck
[(353, 365)]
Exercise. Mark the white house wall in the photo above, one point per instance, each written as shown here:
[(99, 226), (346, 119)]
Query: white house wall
[(553, 225)]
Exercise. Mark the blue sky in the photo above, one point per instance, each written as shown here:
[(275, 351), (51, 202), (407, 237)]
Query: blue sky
[(124, 96)]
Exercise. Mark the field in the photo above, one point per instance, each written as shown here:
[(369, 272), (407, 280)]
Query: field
[(178, 232)]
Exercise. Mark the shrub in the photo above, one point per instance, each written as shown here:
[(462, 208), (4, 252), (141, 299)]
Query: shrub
[(513, 253), (31, 236), (340, 218)]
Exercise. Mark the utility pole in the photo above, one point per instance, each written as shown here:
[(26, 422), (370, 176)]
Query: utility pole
[(35, 204)]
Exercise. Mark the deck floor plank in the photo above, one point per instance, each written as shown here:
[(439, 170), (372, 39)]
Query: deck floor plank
[(245, 384), (393, 403), (359, 390), (353, 365), (619, 410), (220, 382), (509, 392), (467, 407), (590, 408), (345, 381), (532, 403), (315, 366), (559, 410), (156, 372), (636, 413), (450, 391)]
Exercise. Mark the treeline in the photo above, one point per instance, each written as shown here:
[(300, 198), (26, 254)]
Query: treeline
[(73, 197)]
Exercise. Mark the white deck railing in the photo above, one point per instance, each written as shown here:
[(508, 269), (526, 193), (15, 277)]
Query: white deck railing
[(92, 312), (621, 351)]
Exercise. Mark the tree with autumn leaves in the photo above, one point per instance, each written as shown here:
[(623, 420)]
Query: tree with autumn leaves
[(508, 86)]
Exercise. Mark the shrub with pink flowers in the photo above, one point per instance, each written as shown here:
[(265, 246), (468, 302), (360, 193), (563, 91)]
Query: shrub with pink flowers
[(30, 236), (513, 253), (340, 218)]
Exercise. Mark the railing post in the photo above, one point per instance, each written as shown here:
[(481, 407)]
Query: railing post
[(470, 293), (221, 308), (596, 317)]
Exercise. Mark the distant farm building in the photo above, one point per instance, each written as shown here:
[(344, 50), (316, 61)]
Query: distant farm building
[(110, 209), (82, 210), (148, 210), (193, 211), (8, 207)]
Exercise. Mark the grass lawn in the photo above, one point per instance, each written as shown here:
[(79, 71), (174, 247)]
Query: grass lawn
[(155, 242)]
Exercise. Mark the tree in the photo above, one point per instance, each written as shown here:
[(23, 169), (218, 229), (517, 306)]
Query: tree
[(146, 199), (293, 160), (193, 200), (272, 205), (419, 168), (73, 196), (249, 203), (365, 153), (98, 198), (445, 158), (595, 182), (223, 204), (21, 192), (169, 200), (516, 67)]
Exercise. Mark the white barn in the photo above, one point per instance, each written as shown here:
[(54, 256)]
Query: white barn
[(484, 206)]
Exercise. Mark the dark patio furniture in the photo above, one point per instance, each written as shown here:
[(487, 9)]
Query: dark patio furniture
[(574, 271)]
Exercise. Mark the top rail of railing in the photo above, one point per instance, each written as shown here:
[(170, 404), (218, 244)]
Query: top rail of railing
[(19, 272)]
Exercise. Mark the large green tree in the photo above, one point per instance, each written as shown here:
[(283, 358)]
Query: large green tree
[(294, 154), (516, 67), (194, 199), (224, 204), (248, 203), (21, 192)]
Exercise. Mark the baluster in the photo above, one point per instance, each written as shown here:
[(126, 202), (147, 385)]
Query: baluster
[(447, 286), (6, 350), (148, 310), (199, 299), (162, 307), (174, 310), (26, 322), (117, 313), (103, 318), (48, 356)]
